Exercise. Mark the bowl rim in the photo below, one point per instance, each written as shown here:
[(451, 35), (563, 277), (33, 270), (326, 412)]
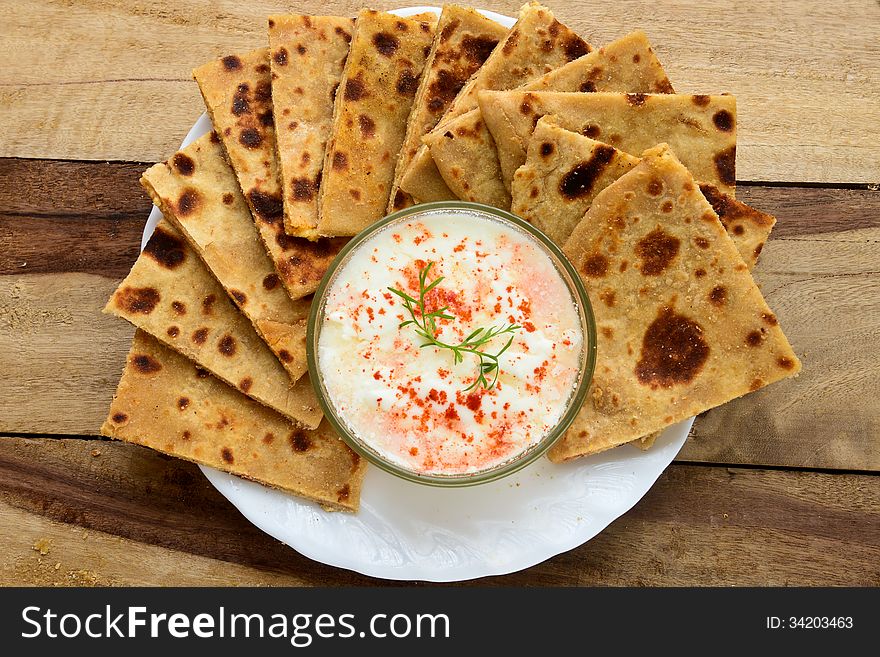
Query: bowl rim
[(588, 358)]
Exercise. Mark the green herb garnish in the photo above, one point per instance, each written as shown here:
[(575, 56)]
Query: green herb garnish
[(425, 324)]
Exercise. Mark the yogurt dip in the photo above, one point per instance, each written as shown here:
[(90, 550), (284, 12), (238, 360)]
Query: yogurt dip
[(411, 404)]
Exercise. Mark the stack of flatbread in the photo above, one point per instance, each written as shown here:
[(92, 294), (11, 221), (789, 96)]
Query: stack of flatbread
[(336, 121)]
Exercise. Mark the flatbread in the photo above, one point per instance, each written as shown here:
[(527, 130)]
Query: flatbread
[(748, 227), (681, 325), (464, 39), (562, 174), (465, 152), (535, 45), (701, 128), (564, 171), (171, 294), (237, 93), (166, 403), (197, 191), (373, 103), (307, 55)]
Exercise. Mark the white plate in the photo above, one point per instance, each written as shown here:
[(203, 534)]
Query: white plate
[(407, 531)]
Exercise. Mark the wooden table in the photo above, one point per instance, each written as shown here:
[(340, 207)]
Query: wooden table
[(778, 488)]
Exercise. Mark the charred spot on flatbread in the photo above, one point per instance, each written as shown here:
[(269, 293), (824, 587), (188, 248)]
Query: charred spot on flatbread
[(227, 345), (355, 89), (477, 49), (579, 180), (138, 299), (165, 249), (407, 83), (232, 63), (636, 100), (183, 164), (200, 335), (268, 207), (299, 441), (673, 351), (172, 331), (367, 126), (339, 161), (723, 120), (145, 364), (725, 164), (595, 265), (575, 47), (718, 296), (386, 44), (657, 250), (303, 190)]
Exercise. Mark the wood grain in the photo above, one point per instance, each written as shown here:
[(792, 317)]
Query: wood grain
[(78, 225), (107, 79), (112, 513)]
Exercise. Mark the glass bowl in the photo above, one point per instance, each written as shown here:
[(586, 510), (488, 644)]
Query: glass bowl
[(586, 365)]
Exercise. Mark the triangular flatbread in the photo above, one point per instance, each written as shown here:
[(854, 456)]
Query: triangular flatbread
[(170, 294), (237, 93), (564, 171), (379, 84), (681, 325), (166, 403), (307, 55), (465, 152), (197, 191), (535, 45), (464, 39), (701, 129)]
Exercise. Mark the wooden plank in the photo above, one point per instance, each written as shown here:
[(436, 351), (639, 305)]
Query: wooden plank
[(819, 271), (110, 512), (60, 357), (56, 215), (85, 79)]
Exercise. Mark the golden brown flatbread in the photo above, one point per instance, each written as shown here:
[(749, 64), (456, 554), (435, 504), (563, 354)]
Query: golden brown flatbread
[(237, 93), (465, 152), (197, 191), (379, 85), (166, 403), (535, 45), (702, 129), (564, 171), (681, 325), (307, 55), (171, 294), (463, 41)]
